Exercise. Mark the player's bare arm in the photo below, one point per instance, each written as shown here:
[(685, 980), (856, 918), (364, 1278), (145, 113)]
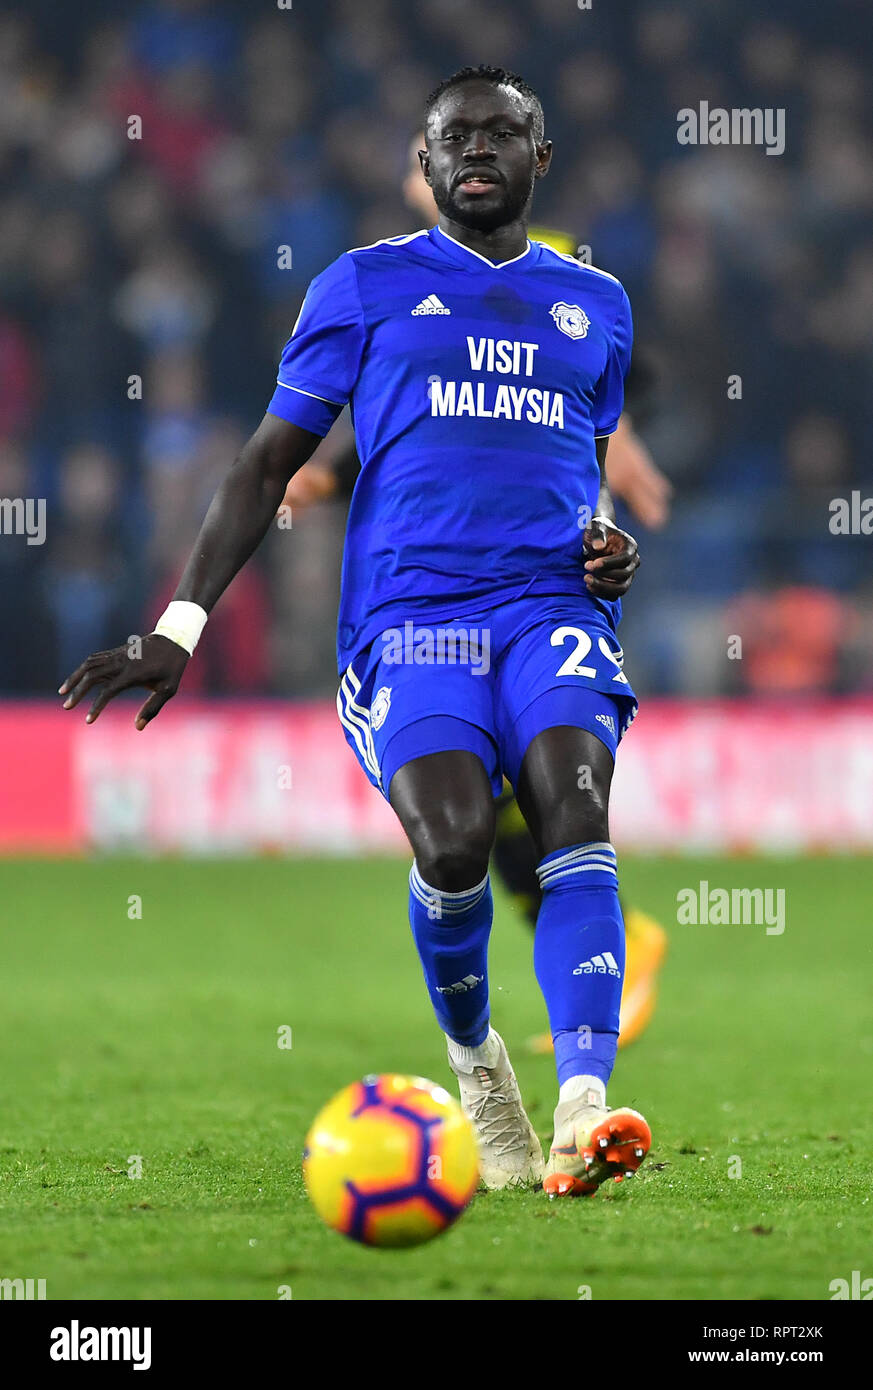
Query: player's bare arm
[(238, 518), (613, 554)]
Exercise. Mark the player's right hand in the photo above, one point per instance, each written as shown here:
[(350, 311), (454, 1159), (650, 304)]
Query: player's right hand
[(153, 661)]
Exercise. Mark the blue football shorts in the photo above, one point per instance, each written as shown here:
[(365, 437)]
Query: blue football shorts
[(488, 683)]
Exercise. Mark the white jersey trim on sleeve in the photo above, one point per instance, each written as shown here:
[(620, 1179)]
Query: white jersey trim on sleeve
[(309, 393)]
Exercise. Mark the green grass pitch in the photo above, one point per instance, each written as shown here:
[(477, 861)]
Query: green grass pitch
[(158, 1037)]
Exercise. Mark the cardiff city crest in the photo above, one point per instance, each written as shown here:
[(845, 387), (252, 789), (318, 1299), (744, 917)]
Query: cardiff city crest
[(380, 706), (570, 319)]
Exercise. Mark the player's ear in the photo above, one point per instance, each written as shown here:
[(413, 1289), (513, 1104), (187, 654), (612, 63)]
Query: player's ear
[(544, 159), (424, 161)]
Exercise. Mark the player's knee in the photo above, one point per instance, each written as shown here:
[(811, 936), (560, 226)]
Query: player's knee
[(452, 851), (453, 868), (575, 820)]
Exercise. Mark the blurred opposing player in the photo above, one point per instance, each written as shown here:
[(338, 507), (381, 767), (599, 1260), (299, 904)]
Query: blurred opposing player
[(482, 582), (634, 477)]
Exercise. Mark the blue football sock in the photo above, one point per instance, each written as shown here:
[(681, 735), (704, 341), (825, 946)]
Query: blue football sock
[(579, 957), (451, 932)]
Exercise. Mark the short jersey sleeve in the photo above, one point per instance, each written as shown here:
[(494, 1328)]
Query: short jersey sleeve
[(322, 358), (609, 392)]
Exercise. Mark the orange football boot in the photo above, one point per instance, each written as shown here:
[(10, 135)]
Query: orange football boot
[(593, 1143)]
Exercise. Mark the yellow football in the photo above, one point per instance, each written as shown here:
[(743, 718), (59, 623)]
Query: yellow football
[(391, 1161)]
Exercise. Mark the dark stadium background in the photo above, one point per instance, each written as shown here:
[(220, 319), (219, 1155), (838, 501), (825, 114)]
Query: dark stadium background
[(264, 127)]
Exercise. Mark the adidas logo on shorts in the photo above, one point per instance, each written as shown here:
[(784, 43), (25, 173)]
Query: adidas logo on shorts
[(431, 304), (607, 721)]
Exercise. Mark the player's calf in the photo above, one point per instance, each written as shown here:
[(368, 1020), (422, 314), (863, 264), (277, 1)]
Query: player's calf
[(451, 933), (579, 952)]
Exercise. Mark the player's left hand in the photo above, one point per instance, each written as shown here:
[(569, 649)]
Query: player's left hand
[(611, 559)]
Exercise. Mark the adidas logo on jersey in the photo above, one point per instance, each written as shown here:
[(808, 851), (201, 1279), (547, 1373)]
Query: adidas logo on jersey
[(607, 721), (461, 986), (598, 965), (431, 304)]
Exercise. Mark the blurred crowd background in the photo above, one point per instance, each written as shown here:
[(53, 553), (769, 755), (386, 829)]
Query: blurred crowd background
[(158, 258)]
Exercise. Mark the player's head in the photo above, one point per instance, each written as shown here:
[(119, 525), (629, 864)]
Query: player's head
[(485, 147)]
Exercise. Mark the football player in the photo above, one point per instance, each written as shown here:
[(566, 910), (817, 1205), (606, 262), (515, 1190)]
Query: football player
[(483, 574)]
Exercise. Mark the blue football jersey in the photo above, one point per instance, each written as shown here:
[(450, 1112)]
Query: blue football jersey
[(477, 391)]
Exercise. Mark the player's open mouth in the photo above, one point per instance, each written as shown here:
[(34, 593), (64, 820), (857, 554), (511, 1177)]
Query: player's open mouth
[(477, 183)]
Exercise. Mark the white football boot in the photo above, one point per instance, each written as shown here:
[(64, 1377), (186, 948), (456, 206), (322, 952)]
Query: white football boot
[(593, 1143), (510, 1154)]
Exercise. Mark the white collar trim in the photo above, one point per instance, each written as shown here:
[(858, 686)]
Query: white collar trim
[(495, 265)]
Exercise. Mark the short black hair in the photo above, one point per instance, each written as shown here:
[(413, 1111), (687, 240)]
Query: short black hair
[(498, 77)]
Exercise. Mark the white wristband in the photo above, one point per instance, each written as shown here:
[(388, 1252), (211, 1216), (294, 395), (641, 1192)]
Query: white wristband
[(183, 623)]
